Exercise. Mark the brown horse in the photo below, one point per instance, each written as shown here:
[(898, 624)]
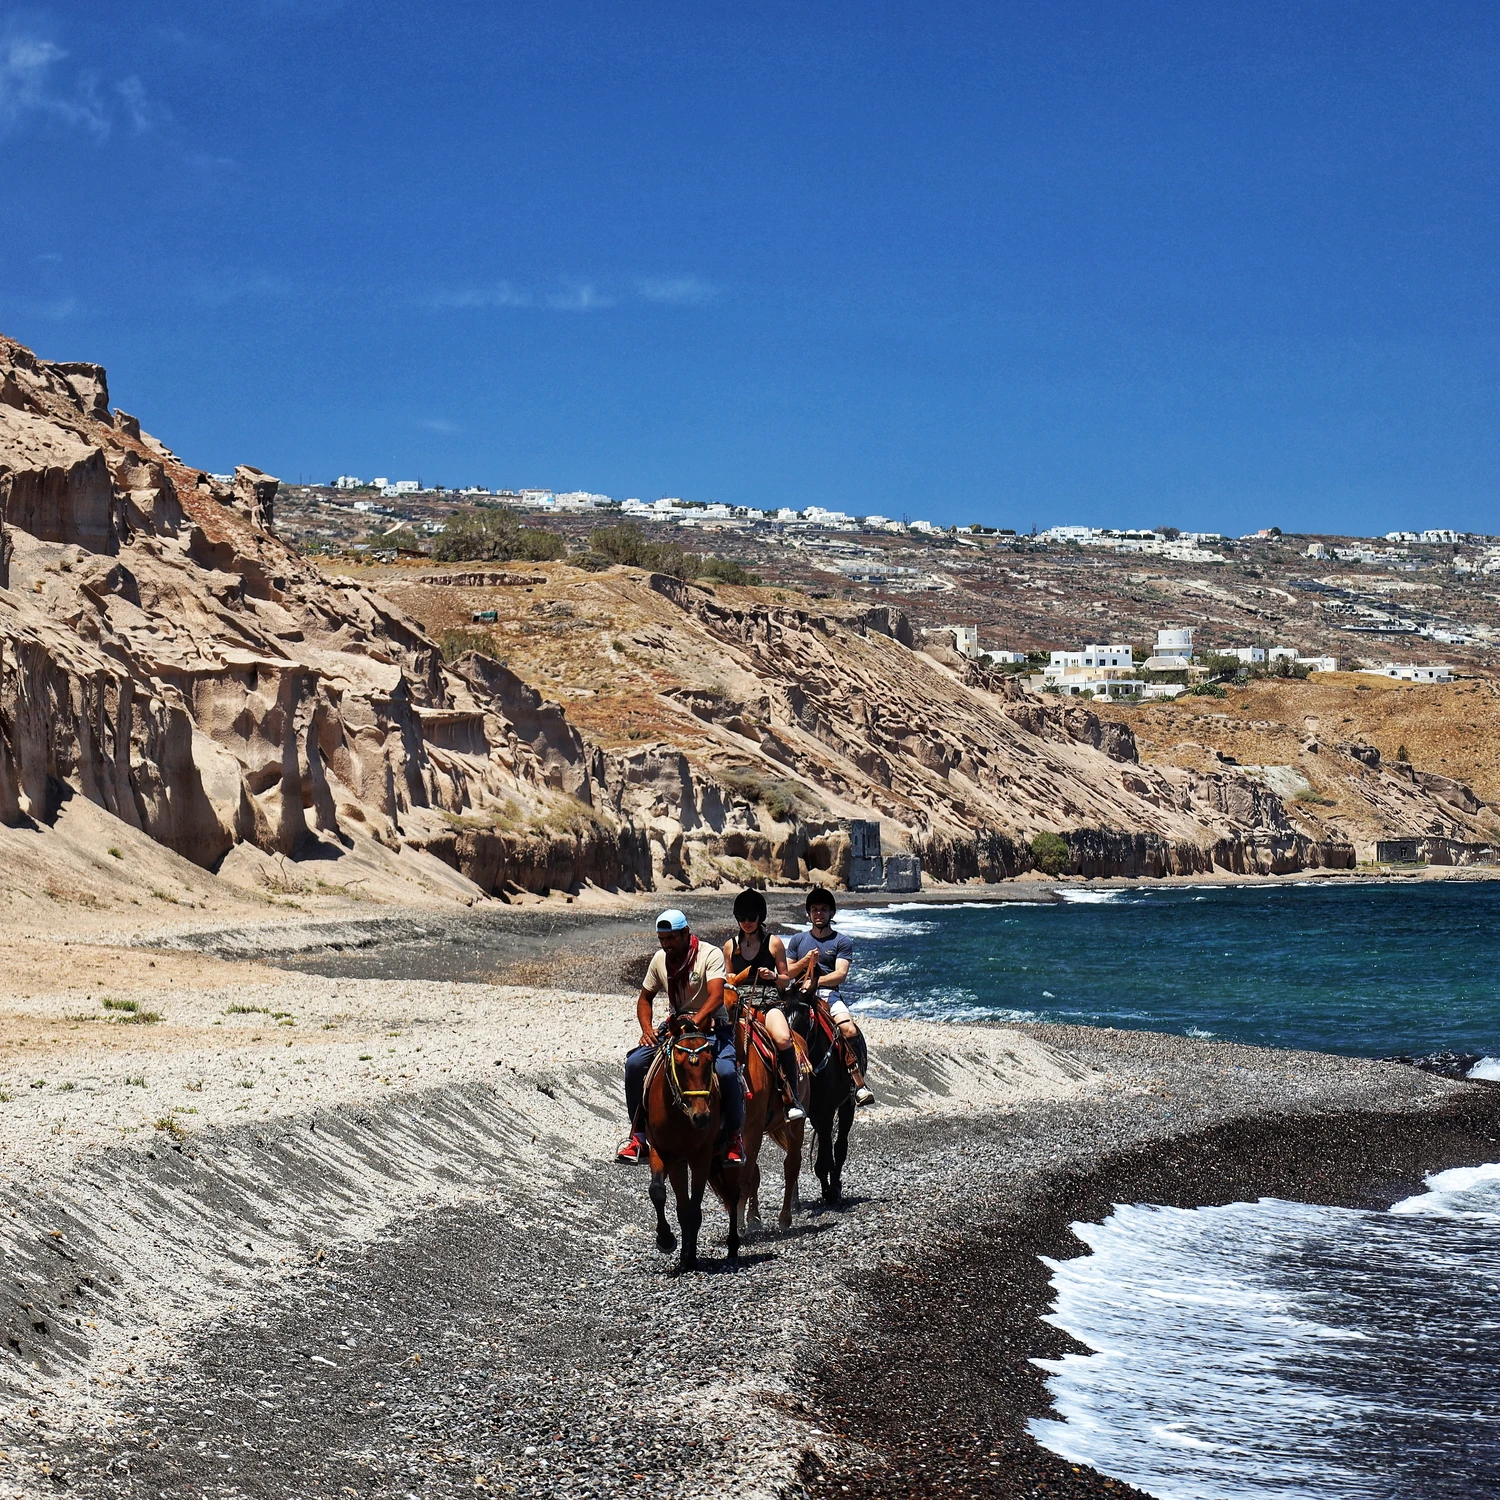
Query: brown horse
[(765, 1115), (682, 1113)]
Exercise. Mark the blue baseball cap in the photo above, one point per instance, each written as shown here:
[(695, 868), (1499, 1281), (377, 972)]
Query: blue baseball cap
[(671, 921)]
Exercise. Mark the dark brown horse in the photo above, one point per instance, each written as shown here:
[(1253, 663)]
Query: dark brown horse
[(682, 1111), (765, 1115)]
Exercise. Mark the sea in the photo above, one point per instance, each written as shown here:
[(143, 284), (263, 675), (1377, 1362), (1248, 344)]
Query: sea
[(1267, 1349)]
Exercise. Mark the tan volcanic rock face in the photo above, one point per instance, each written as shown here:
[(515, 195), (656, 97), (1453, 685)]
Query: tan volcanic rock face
[(165, 659)]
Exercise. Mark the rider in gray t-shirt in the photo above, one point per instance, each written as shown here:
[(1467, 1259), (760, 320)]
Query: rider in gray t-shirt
[(834, 953)]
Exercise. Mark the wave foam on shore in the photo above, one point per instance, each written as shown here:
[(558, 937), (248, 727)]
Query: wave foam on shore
[(1286, 1350)]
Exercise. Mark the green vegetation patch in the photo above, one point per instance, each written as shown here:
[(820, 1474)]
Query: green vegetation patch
[(1050, 854), (781, 798), (495, 535), (457, 642)]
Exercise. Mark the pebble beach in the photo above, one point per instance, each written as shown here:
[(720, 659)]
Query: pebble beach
[(313, 1235)]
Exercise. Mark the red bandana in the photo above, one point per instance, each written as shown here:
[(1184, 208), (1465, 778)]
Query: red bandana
[(678, 975)]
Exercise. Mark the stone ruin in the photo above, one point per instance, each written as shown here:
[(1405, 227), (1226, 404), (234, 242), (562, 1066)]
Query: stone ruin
[(868, 871)]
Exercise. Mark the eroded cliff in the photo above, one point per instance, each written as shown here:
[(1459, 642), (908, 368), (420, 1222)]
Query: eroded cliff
[(164, 656)]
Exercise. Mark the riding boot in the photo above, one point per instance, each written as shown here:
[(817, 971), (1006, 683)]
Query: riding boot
[(791, 1078), (862, 1094)]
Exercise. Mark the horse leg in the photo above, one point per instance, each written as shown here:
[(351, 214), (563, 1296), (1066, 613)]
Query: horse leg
[(841, 1148), (750, 1183), (824, 1167), (791, 1169), (733, 1187), (689, 1216), (665, 1239)]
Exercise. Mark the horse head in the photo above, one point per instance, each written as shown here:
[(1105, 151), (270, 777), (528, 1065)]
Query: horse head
[(690, 1069)]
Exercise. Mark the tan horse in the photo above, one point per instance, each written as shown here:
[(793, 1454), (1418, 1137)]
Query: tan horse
[(765, 1115)]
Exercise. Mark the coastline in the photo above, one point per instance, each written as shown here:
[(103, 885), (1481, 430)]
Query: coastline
[(411, 1263), (935, 1393), (439, 1280)]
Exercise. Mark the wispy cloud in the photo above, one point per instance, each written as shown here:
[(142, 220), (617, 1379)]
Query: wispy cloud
[(678, 291), (577, 296), (221, 290), (582, 297), (34, 89), (502, 294), (58, 310), (441, 426)]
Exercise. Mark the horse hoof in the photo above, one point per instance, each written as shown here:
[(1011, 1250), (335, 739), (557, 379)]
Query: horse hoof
[(666, 1241), (785, 1221)]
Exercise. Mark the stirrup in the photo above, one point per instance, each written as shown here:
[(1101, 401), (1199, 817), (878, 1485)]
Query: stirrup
[(795, 1112), (863, 1096), (734, 1154), (633, 1150)]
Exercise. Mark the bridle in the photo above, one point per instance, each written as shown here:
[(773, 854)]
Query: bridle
[(690, 1050)]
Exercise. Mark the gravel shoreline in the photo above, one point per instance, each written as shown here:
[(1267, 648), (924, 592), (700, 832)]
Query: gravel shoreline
[(510, 1328)]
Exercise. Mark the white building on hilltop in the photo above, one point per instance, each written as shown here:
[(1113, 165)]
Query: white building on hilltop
[(1176, 643), (1116, 657), (348, 482), (1412, 672)]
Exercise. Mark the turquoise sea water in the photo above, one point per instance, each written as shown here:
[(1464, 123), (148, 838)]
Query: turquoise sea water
[(1270, 1350), (1364, 969)]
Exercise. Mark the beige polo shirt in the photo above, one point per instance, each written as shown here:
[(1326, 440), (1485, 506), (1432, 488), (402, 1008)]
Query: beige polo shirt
[(708, 965)]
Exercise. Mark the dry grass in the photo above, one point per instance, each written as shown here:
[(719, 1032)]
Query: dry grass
[(1449, 728)]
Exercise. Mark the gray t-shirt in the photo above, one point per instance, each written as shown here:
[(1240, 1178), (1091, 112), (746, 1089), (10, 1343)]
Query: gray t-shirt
[(830, 950)]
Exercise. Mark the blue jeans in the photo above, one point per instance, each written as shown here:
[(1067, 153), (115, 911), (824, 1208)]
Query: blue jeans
[(731, 1099)]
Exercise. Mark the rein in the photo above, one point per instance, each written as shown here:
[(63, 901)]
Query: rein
[(690, 1052)]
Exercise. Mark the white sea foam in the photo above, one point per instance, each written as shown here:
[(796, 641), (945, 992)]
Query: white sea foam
[(1458, 1193), (875, 922), (1093, 898), (1283, 1351), (1486, 1067)]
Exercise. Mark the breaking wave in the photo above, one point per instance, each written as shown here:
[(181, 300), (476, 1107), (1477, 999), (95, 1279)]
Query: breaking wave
[(1284, 1351)]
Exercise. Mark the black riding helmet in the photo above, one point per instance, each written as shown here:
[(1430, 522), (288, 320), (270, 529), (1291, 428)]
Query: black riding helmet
[(749, 906), (820, 895)]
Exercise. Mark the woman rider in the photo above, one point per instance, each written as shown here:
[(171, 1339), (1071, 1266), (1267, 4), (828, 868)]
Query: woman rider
[(752, 947)]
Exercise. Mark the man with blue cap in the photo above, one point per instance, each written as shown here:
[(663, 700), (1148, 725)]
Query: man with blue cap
[(692, 974)]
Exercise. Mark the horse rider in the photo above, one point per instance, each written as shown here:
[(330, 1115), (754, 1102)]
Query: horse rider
[(753, 948), (692, 974), (826, 955)]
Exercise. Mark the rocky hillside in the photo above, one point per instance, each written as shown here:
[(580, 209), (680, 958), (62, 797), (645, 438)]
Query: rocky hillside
[(173, 665)]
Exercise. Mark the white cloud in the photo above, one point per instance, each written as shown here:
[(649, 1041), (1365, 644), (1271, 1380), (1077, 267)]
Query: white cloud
[(678, 291), (582, 297), (441, 425), (59, 310), (32, 89)]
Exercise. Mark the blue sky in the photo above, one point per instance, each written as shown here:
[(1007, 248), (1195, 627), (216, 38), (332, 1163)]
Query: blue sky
[(1206, 265)]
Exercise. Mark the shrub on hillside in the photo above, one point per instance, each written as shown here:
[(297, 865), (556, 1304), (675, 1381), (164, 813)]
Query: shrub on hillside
[(1050, 853), (632, 547), (495, 536), (629, 545), (454, 643), (726, 571)]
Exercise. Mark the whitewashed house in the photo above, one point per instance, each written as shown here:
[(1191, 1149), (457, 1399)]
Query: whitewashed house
[(1411, 672)]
